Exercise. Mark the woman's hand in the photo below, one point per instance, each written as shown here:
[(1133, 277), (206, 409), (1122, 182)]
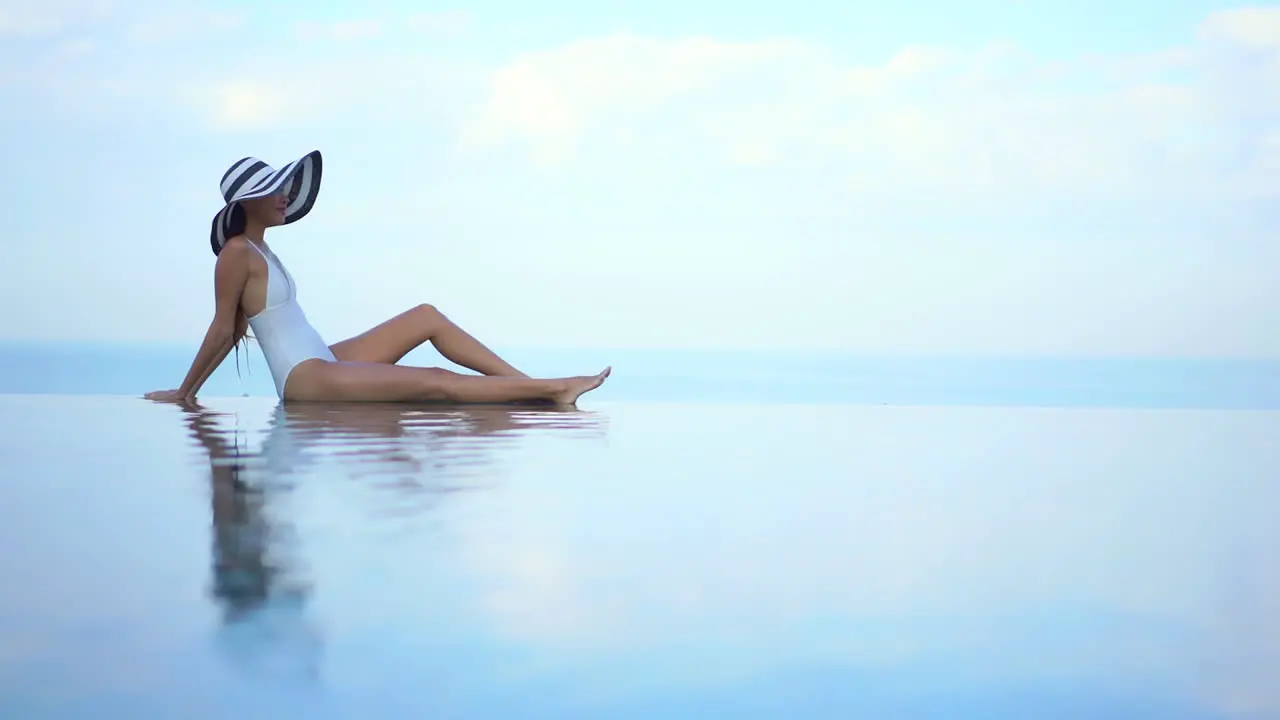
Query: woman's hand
[(171, 396)]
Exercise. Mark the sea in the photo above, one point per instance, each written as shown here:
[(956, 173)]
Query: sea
[(711, 534)]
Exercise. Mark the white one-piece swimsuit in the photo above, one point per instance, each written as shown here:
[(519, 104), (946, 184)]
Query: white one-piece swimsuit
[(282, 329)]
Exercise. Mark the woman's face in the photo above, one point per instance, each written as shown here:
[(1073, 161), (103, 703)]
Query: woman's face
[(270, 210)]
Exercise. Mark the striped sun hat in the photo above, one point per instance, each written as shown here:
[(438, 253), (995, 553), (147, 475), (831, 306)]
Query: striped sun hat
[(251, 178)]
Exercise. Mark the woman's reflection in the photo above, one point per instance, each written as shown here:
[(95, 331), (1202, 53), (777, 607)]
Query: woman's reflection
[(437, 449), (429, 451), (254, 584)]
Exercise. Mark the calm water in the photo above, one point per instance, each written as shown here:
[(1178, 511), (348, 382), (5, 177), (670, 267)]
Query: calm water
[(721, 377), (676, 548)]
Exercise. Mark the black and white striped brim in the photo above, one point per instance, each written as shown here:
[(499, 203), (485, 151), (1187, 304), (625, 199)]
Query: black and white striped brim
[(251, 178)]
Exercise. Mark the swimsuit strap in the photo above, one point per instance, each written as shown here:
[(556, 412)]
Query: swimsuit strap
[(268, 254)]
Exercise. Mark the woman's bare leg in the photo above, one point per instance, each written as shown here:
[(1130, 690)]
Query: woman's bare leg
[(317, 380), (395, 338)]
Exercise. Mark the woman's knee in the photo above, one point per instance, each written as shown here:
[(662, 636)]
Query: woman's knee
[(437, 384), (427, 313)]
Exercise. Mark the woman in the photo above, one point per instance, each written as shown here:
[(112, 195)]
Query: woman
[(252, 288)]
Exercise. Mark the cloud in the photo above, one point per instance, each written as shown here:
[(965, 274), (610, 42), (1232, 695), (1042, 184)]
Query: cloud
[(973, 121), (42, 18), (970, 120), (361, 92), (432, 23), (26, 24), (342, 30), (1117, 203), (246, 105), (329, 78), (176, 24), (554, 96), (145, 21), (1250, 27), (440, 23), (101, 56)]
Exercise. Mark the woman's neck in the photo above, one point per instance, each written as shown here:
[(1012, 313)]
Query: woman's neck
[(255, 233)]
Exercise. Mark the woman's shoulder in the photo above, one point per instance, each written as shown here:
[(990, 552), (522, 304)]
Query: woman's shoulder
[(235, 252), (235, 247), (235, 240)]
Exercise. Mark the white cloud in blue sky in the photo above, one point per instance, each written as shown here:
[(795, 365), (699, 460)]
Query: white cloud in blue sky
[(991, 177)]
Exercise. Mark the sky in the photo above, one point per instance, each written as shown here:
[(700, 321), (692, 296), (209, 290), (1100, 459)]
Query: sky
[(989, 177)]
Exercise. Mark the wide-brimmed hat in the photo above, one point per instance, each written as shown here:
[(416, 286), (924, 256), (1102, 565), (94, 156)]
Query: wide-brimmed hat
[(251, 178)]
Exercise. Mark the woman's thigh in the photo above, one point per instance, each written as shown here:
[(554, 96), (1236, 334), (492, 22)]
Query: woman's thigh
[(344, 381), (389, 341)]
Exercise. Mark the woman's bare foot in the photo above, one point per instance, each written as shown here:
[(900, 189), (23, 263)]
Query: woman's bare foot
[(576, 387)]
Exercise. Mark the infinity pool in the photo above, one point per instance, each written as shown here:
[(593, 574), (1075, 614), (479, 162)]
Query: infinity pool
[(636, 560)]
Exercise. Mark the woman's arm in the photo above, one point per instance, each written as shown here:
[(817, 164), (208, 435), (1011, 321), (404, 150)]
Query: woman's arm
[(217, 344), (229, 278)]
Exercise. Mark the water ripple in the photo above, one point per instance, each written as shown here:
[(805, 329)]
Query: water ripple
[(376, 441)]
